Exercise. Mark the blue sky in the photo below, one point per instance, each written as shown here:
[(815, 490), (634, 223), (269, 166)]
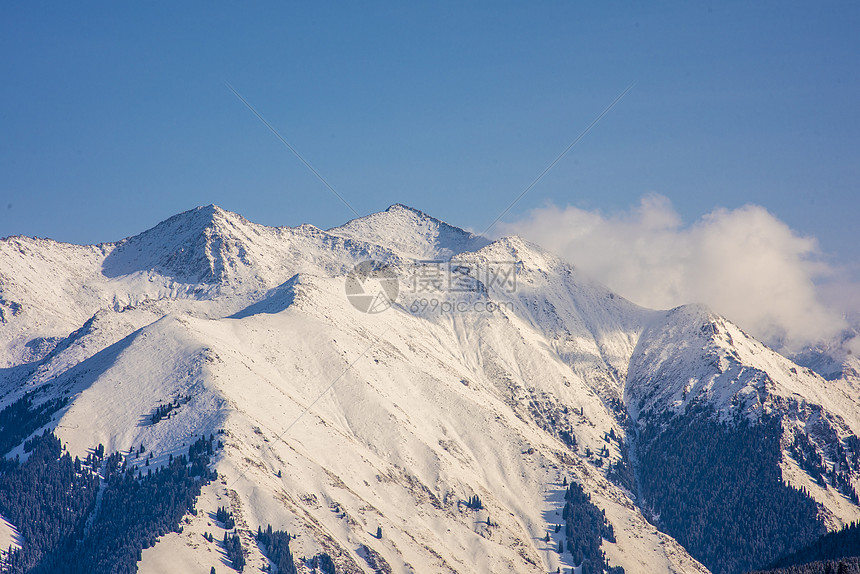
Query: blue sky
[(116, 117)]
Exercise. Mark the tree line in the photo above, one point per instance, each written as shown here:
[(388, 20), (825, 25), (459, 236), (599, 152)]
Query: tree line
[(586, 528), (52, 500), (717, 488)]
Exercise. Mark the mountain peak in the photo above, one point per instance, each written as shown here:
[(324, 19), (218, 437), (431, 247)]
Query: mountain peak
[(202, 217), (412, 233), (187, 246), (509, 374), (403, 207)]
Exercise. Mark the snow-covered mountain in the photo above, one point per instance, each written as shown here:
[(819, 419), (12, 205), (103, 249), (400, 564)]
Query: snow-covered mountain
[(498, 371)]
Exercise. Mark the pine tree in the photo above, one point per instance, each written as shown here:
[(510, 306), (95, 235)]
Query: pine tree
[(379, 532), (475, 503)]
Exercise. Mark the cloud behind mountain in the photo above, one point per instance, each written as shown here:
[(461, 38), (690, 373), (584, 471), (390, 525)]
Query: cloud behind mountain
[(744, 263)]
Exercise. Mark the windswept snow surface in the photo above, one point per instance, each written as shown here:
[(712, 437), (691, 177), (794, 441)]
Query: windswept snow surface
[(385, 420)]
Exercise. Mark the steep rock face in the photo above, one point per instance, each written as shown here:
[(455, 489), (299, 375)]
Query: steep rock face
[(336, 421), (198, 246), (693, 354)]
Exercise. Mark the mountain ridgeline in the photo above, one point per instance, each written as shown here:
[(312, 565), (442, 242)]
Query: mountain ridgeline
[(207, 396)]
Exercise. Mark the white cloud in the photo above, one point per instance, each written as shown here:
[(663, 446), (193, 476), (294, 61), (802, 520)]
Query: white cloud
[(743, 263)]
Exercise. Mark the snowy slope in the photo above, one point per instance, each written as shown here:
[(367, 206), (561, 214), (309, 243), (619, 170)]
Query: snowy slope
[(691, 355), (591, 329), (9, 539), (411, 233), (48, 289), (388, 419), (400, 439), (701, 354)]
